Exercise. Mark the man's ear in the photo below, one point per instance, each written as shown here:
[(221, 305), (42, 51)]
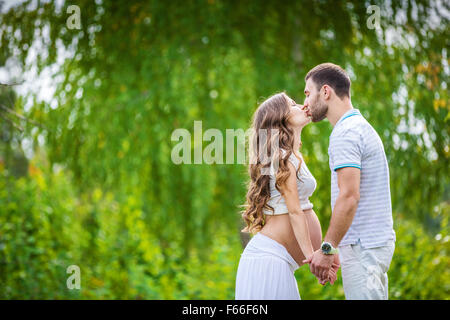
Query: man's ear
[(326, 92)]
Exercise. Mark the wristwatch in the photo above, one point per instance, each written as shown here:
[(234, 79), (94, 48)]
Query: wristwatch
[(327, 248)]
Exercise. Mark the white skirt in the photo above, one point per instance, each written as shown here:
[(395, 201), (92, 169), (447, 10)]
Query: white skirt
[(266, 271)]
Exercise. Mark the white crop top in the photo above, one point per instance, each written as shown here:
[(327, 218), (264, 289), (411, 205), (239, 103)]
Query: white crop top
[(305, 189)]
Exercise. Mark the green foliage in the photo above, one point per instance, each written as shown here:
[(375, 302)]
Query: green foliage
[(420, 267), (102, 192), (45, 228), (34, 242)]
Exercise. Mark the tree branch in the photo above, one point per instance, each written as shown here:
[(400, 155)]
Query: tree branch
[(15, 125), (11, 84), (21, 116)]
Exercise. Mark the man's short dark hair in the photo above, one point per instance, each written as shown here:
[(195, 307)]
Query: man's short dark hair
[(332, 75)]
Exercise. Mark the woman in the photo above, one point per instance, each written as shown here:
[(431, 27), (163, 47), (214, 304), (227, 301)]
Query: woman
[(278, 209)]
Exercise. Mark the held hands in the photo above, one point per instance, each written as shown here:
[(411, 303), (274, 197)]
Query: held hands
[(332, 276), (324, 267)]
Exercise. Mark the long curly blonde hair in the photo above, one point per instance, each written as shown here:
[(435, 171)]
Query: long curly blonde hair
[(273, 113)]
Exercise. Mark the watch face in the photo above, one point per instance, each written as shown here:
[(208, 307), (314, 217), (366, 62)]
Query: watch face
[(326, 247)]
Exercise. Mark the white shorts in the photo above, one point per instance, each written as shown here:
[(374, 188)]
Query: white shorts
[(266, 271), (364, 271)]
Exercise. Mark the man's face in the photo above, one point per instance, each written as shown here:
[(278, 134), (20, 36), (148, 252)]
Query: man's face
[(314, 103)]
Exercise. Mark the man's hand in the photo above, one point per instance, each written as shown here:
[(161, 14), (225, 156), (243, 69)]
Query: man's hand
[(320, 265), (334, 269), (332, 274)]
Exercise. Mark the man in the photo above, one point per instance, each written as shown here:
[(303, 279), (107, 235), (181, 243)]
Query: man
[(361, 227)]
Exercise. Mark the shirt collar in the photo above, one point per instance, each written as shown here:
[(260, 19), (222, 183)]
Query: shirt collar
[(349, 113)]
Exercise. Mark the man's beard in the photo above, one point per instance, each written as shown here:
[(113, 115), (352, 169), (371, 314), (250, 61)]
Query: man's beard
[(319, 112)]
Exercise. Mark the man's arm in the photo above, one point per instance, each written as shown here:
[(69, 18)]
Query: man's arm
[(341, 219), (346, 204), (346, 151)]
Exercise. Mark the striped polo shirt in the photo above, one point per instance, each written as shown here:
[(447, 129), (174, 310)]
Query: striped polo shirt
[(354, 143)]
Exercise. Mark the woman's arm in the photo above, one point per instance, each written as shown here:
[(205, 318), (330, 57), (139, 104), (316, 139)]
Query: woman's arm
[(315, 230), (296, 215)]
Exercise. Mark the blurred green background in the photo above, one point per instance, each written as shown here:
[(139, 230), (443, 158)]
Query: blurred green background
[(86, 118)]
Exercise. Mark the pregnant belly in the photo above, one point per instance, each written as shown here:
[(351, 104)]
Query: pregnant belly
[(278, 228)]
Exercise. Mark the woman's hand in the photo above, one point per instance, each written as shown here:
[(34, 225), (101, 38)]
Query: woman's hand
[(332, 274)]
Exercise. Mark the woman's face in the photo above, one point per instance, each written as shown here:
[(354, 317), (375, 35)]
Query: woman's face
[(298, 118)]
